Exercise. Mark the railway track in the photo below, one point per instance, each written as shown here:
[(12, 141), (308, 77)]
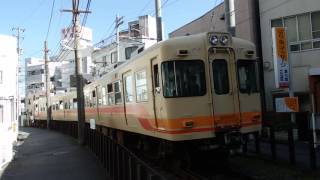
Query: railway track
[(202, 172)]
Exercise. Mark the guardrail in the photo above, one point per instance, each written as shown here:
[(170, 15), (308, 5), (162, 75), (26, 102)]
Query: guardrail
[(119, 162)]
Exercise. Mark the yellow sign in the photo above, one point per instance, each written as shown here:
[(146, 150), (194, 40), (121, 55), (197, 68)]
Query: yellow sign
[(280, 57), (292, 103), (282, 44)]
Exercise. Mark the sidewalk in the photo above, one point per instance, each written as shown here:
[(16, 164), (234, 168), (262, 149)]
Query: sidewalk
[(48, 155)]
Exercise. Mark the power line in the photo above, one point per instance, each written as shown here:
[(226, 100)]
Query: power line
[(33, 11), (145, 7), (50, 19)]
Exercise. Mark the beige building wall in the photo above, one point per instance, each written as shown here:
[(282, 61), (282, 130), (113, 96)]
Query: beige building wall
[(210, 21), (214, 21)]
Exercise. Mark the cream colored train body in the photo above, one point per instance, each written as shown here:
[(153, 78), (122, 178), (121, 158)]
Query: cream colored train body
[(185, 88)]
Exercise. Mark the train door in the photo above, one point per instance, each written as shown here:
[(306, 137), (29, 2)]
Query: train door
[(224, 97), (156, 89)]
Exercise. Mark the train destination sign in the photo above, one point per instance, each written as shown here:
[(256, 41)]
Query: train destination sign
[(280, 57)]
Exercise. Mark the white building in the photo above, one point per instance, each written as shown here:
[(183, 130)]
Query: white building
[(140, 35), (143, 30), (302, 22), (8, 96), (66, 56), (35, 75)]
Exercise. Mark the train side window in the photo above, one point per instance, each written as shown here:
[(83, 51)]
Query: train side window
[(183, 78), (70, 104), (220, 76), (248, 76), (141, 86), (99, 96), (87, 100), (117, 92), (128, 88), (61, 105), (110, 94), (75, 103), (156, 76), (94, 99), (104, 97)]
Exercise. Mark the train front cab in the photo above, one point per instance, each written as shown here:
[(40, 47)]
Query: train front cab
[(235, 87), (205, 87)]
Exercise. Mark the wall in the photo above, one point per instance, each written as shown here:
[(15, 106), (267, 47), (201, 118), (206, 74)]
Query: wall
[(210, 21), (8, 96)]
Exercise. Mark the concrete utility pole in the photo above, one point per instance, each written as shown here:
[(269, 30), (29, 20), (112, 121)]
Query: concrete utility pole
[(80, 96), (18, 35), (229, 16), (158, 20), (119, 21), (46, 62)]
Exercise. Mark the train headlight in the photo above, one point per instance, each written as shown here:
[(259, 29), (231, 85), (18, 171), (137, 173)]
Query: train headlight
[(214, 40), (224, 40)]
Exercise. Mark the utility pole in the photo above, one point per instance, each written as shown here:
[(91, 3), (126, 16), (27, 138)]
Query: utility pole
[(119, 21), (158, 20), (229, 16), (78, 72), (46, 62), (18, 35)]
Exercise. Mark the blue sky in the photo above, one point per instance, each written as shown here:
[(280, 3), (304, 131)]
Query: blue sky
[(33, 15)]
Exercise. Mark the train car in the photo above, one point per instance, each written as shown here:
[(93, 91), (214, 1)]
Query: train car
[(200, 89)]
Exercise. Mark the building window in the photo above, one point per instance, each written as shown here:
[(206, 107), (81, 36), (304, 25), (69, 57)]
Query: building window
[(276, 23), (141, 86), (114, 57), (315, 19), (303, 30), (291, 25), (104, 61), (129, 51)]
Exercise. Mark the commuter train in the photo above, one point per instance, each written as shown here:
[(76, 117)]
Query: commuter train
[(199, 89)]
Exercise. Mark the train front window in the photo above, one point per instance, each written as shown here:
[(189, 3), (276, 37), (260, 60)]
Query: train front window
[(248, 76), (220, 76), (183, 78)]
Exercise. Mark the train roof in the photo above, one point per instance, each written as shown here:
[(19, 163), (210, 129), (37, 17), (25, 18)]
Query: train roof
[(195, 39)]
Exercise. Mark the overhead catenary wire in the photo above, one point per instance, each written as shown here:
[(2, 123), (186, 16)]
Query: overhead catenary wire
[(49, 26)]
